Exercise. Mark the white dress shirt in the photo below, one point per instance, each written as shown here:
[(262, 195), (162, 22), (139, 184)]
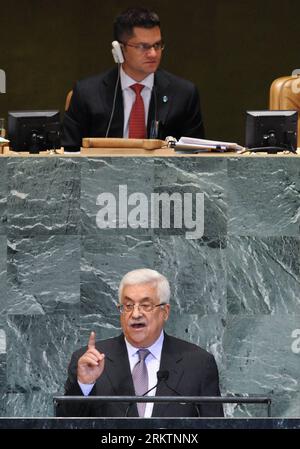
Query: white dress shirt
[(152, 362), (129, 96)]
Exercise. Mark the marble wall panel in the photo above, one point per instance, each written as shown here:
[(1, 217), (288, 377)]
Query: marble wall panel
[(119, 178), (43, 274), (3, 195), (3, 278), (235, 291), (264, 196), (261, 360), (38, 352), (3, 404), (263, 275), (103, 326), (19, 405), (43, 196), (196, 270), (104, 261), (205, 331), (187, 175)]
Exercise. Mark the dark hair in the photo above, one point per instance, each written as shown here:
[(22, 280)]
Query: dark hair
[(134, 17)]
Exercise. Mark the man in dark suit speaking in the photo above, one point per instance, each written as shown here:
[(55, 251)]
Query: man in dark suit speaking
[(112, 104), (132, 362)]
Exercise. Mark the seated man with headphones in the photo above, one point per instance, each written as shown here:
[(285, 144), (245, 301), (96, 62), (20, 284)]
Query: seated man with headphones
[(136, 99)]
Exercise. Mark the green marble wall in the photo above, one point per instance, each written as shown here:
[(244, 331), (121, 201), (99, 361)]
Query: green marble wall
[(235, 291)]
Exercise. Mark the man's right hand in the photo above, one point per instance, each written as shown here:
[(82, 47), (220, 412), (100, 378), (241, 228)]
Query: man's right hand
[(91, 363)]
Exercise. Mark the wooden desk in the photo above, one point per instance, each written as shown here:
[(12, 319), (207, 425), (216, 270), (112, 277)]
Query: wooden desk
[(138, 152)]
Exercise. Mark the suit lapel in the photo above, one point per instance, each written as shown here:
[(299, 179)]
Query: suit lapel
[(118, 374), (161, 99), (108, 86), (172, 362), (118, 369)]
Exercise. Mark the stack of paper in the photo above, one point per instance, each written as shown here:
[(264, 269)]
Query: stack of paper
[(3, 141), (190, 143)]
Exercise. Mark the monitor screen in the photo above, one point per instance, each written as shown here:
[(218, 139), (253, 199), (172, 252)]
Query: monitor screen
[(271, 131), (34, 131)]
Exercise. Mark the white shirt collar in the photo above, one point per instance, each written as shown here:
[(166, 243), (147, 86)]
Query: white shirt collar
[(127, 81), (155, 349)]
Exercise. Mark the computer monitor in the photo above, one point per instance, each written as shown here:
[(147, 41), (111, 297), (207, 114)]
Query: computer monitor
[(271, 131), (34, 131)]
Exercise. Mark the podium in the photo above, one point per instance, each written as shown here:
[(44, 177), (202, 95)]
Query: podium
[(195, 400)]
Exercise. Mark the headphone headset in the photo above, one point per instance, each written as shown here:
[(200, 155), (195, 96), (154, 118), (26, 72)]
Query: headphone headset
[(119, 59), (117, 52)]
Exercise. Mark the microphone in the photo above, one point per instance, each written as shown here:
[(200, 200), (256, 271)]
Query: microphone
[(161, 375), (154, 128)]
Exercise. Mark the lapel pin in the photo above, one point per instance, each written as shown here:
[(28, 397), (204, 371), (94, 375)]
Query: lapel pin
[(165, 99)]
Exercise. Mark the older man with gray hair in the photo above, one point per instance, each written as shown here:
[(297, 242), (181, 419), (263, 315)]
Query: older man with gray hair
[(132, 362)]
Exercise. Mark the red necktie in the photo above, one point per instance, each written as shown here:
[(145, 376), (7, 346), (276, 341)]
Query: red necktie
[(137, 129)]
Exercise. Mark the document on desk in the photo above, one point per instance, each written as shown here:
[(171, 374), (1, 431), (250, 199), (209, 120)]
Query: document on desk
[(199, 145), (3, 141)]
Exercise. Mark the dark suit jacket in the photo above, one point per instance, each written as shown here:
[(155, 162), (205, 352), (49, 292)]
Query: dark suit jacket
[(174, 103), (192, 372)]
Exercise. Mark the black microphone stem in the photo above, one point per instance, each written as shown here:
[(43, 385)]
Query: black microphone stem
[(178, 394), (161, 375)]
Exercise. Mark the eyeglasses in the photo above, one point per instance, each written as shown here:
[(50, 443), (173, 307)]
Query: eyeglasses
[(143, 48), (145, 307)]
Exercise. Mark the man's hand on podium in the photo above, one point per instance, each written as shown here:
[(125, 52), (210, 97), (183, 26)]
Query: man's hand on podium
[(91, 363)]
